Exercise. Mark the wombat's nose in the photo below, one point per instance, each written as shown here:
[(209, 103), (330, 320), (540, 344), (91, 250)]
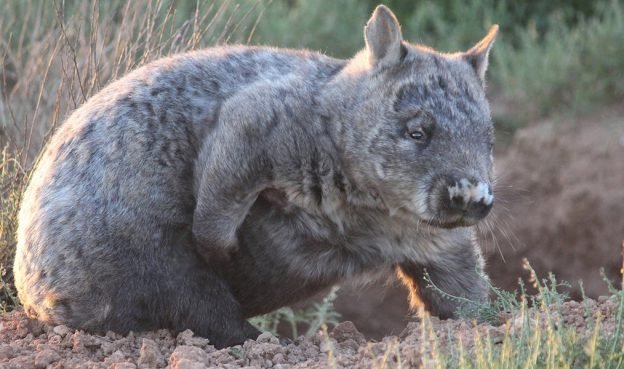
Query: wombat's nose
[(471, 198)]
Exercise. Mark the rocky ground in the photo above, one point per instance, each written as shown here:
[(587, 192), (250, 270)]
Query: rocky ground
[(29, 344)]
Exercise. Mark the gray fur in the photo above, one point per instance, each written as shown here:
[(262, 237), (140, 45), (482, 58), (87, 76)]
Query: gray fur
[(212, 186)]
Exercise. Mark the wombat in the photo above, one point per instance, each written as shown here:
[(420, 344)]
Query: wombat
[(213, 186)]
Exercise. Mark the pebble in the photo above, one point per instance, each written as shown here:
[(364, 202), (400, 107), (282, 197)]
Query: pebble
[(267, 337), (150, 355), (124, 365), (46, 357), (61, 330), (186, 355), (345, 331), (188, 338)]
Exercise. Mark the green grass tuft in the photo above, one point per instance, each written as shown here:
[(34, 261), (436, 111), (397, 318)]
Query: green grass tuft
[(313, 317)]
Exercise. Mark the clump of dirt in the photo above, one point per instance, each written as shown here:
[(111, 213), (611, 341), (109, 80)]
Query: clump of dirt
[(25, 343)]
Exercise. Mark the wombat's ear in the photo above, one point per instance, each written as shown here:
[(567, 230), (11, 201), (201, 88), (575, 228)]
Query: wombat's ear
[(478, 55), (383, 37)]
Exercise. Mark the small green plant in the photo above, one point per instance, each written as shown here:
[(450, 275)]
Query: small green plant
[(314, 317), (505, 302), (490, 312)]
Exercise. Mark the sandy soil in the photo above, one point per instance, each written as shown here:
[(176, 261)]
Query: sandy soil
[(29, 344)]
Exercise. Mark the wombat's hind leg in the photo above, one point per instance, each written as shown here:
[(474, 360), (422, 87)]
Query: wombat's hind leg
[(185, 297), (203, 303), (174, 288)]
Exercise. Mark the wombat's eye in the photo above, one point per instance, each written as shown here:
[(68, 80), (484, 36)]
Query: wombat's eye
[(417, 134), (419, 127)]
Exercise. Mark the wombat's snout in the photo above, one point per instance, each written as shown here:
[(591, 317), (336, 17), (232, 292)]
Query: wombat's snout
[(469, 198), (460, 201)]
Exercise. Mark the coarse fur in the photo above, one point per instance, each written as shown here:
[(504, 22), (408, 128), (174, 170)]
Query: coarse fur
[(209, 187)]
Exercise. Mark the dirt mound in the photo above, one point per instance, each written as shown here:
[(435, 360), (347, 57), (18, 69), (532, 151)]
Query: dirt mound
[(562, 191), (25, 343)]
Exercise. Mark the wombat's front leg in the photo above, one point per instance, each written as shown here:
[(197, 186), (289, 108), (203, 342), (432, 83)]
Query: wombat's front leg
[(235, 164), (231, 181), (457, 271)]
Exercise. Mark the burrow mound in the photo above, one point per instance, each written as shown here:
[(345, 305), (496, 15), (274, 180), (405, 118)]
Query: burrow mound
[(562, 204)]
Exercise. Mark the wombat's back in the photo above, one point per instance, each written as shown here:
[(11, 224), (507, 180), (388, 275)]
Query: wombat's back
[(108, 210)]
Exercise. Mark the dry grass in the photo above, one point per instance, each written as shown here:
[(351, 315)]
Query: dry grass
[(56, 57)]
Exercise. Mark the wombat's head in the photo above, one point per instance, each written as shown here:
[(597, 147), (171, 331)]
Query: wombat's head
[(419, 132)]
